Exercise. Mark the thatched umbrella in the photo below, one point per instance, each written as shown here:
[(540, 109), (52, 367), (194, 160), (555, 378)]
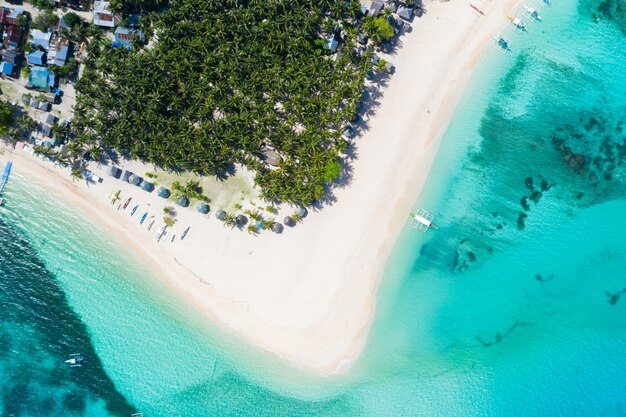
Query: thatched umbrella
[(289, 221), (277, 228), (220, 215), (134, 179), (147, 186), (241, 220), (301, 212), (183, 201), (163, 192), (202, 208)]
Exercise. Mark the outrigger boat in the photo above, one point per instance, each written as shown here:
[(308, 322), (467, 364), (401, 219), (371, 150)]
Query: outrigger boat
[(477, 9), (182, 237), (502, 43), (143, 218), (126, 203), (422, 220), (75, 360), (532, 13), (134, 210), (517, 22)]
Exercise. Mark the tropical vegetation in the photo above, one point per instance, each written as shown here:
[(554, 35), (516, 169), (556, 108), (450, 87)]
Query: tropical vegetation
[(222, 82)]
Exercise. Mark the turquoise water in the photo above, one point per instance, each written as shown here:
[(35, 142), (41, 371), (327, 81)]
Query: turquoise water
[(515, 306)]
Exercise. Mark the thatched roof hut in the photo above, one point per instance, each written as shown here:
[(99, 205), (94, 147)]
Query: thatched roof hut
[(135, 180), (220, 215), (241, 220), (301, 211), (203, 208), (277, 228), (272, 157), (115, 172), (163, 192), (289, 221), (147, 186), (183, 201)]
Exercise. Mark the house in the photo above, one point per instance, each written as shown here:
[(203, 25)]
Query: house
[(44, 106), (405, 13), (375, 8), (36, 58), (10, 57), (41, 38), (12, 18), (50, 119), (4, 14), (6, 68), (13, 37), (59, 52), (46, 130), (38, 78), (124, 36), (331, 43), (103, 16)]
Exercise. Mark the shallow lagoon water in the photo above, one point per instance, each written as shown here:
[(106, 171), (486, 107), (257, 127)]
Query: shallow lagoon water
[(515, 306)]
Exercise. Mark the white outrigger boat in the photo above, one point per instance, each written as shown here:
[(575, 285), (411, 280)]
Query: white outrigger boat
[(75, 360), (532, 13), (518, 23)]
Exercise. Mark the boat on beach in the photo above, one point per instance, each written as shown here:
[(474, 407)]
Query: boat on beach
[(161, 233), (126, 203), (182, 237), (150, 225), (532, 13), (115, 195), (143, 217), (134, 210)]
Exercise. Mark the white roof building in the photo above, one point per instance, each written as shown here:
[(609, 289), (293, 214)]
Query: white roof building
[(103, 16)]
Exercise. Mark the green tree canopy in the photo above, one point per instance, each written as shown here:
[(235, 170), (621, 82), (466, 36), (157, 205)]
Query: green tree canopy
[(224, 81)]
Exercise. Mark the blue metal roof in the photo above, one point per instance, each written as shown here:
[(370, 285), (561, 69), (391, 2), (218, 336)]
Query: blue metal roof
[(36, 57), (6, 68)]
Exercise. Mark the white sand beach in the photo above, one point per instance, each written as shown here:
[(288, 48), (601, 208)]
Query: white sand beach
[(308, 295)]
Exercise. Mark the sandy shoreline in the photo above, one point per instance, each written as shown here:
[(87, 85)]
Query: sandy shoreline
[(308, 295)]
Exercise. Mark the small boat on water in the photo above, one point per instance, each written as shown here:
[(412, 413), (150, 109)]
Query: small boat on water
[(143, 217), (75, 359), (547, 2), (134, 210), (518, 23), (532, 13), (126, 203), (150, 225), (502, 43), (182, 237), (5, 175), (1, 201)]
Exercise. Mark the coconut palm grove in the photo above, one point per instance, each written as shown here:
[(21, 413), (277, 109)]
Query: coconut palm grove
[(217, 83)]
